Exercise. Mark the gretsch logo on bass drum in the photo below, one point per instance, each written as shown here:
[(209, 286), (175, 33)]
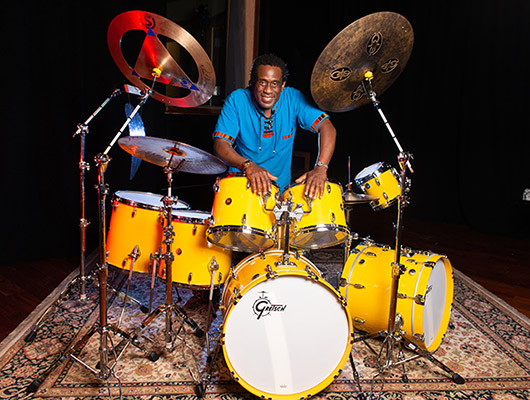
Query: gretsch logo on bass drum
[(263, 306)]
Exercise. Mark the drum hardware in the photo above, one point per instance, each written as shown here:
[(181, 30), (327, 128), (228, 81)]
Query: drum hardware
[(81, 131), (378, 47), (105, 368)]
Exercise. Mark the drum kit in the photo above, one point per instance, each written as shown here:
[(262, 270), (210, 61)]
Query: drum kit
[(286, 332)]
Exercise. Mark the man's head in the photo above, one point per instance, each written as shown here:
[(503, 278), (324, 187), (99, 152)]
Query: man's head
[(267, 80), (267, 59)]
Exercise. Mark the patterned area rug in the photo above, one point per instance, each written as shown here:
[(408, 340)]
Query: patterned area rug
[(487, 343)]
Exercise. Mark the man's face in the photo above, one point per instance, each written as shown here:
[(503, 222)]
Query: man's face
[(268, 86)]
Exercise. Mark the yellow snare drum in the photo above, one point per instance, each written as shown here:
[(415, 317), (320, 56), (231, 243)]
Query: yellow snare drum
[(136, 220), (323, 223), (240, 220), (286, 331), (425, 292), (382, 181), (195, 261)]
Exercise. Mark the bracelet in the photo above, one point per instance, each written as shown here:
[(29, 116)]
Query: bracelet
[(245, 164), (321, 164)]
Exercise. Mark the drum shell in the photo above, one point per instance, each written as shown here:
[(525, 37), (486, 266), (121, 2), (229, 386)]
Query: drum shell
[(367, 282), (136, 220), (263, 275), (195, 259), (325, 224), (240, 220)]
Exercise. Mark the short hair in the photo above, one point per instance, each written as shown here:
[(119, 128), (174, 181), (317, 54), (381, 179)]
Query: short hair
[(267, 59)]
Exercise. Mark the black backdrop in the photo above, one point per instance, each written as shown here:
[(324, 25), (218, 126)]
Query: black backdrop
[(460, 107)]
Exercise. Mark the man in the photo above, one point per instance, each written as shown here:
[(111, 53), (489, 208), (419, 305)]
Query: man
[(256, 128)]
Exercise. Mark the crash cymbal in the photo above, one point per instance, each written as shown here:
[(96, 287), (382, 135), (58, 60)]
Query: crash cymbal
[(380, 43), (155, 61), (350, 197), (170, 153)]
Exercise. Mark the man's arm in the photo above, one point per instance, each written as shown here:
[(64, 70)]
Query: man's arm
[(260, 178), (317, 177)]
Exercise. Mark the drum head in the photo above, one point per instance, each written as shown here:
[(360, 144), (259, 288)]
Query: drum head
[(368, 172), (151, 201), (191, 216), (286, 336), (437, 305)]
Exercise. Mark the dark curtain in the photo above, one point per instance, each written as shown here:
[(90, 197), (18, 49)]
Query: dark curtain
[(459, 107)]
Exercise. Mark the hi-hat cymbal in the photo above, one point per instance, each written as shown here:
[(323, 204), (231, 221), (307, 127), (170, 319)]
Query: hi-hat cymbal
[(380, 43), (170, 153), (350, 197), (155, 60)]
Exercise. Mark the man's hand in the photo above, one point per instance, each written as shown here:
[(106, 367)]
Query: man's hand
[(315, 182), (260, 178)]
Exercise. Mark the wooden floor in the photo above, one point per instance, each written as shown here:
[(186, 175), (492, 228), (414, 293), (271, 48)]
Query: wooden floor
[(500, 264)]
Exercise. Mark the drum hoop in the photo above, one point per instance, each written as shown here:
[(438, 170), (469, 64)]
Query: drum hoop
[(237, 228), (415, 293), (247, 259), (294, 184), (116, 197), (190, 220), (362, 179), (241, 175)]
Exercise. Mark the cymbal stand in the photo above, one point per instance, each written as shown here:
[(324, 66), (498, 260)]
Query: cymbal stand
[(394, 337), (105, 369), (169, 307), (82, 131)]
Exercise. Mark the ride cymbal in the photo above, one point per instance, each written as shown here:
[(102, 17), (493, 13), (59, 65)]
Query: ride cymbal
[(379, 43), (172, 154)]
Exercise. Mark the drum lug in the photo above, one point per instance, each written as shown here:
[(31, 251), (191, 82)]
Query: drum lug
[(358, 320), (244, 219), (237, 295), (194, 230), (311, 274), (115, 204), (329, 188), (342, 282), (270, 273), (358, 286), (213, 265), (216, 185), (429, 264), (190, 276), (133, 213)]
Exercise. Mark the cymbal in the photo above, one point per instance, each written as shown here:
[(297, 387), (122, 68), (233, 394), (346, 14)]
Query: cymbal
[(380, 43), (170, 153), (155, 60), (351, 197)]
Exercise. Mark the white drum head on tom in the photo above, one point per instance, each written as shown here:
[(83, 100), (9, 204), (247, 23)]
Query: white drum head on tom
[(148, 200), (368, 171), (191, 216), (286, 335), (434, 310)]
